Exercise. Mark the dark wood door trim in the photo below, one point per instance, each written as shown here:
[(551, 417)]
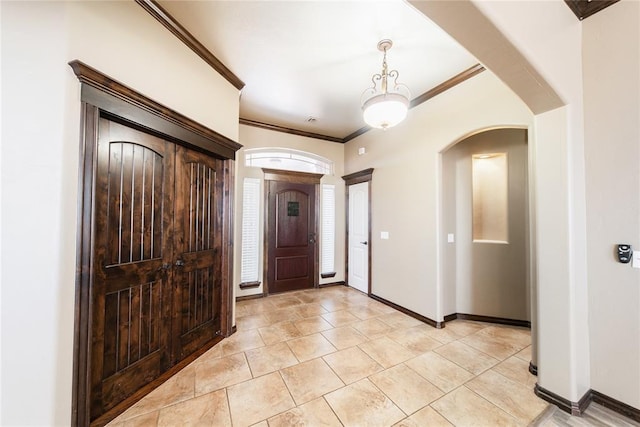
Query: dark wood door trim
[(365, 175), (296, 178), (109, 95), (228, 302), (101, 95), (358, 177), (292, 176), (84, 266)]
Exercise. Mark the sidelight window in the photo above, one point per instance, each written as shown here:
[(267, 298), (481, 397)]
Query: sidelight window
[(250, 228), (328, 232)]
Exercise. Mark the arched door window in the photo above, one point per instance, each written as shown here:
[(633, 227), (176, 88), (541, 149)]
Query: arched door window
[(287, 159)]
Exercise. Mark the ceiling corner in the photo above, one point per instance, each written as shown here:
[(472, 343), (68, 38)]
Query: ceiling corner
[(585, 8)]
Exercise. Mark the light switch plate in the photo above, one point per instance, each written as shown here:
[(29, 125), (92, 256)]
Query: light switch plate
[(635, 263), (451, 238), (384, 235)]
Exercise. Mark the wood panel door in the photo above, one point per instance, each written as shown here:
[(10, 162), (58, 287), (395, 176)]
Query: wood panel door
[(157, 293), (291, 236), (127, 281), (133, 251), (198, 239)]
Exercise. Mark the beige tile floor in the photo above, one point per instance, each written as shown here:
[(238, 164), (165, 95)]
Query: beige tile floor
[(333, 356)]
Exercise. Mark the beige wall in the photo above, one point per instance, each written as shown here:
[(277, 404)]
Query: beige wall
[(253, 137), (145, 56), (580, 316), (406, 192), (39, 181), (40, 149), (536, 47), (611, 59), (486, 278)]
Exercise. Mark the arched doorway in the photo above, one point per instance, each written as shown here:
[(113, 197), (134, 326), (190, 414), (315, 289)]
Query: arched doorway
[(485, 269)]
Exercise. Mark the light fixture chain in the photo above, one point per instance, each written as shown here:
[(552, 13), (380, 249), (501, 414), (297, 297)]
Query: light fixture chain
[(384, 72)]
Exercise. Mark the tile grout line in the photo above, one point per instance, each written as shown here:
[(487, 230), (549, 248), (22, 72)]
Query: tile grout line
[(295, 404), (515, 384), (346, 304), (440, 413), (490, 402), (226, 394), (246, 359), (323, 397)]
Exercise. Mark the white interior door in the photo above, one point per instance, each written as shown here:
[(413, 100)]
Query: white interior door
[(359, 236)]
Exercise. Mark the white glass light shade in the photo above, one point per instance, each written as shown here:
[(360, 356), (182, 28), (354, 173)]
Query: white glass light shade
[(385, 110)]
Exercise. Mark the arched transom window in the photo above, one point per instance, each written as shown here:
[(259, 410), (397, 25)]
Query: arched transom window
[(288, 159)]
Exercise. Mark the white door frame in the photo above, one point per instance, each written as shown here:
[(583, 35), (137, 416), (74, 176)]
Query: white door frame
[(363, 176)]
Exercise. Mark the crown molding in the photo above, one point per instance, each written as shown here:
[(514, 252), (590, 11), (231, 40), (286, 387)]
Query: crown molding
[(585, 8), (442, 87), (290, 131), (357, 133), (448, 84), (165, 18)]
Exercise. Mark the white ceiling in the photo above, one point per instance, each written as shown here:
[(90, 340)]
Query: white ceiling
[(302, 59)]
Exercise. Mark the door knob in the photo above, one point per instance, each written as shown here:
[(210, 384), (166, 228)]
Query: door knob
[(179, 263), (365, 243)]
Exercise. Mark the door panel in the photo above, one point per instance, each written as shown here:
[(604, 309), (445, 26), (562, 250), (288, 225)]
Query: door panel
[(291, 237), (198, 239), (134, 219), (130, 297), (359, 236)]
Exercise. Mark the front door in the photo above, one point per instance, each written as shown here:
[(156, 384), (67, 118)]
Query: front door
[(291, 236), (359, 237)]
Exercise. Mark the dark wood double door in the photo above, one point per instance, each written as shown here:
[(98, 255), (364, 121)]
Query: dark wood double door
[(156, 294)]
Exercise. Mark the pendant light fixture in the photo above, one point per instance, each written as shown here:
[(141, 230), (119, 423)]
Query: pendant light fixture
[(386, 103)]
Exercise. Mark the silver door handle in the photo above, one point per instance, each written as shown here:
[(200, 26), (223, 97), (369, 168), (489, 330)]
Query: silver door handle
[(165, 266), (179, 263)]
